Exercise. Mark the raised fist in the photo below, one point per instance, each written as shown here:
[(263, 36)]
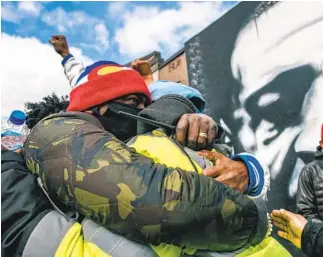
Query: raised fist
[(60, 45), (142, 66)]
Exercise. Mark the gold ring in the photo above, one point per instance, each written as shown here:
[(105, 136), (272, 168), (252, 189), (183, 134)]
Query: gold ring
[(202, 134)]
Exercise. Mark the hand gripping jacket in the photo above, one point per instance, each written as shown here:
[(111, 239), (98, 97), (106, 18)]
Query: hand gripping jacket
[(86, 168)]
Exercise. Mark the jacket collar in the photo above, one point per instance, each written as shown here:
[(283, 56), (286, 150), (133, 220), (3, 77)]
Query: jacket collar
[(319, 153)]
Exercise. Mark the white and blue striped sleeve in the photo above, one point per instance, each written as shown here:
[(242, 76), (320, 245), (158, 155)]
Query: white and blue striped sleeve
[(259, 177), (73, 68)]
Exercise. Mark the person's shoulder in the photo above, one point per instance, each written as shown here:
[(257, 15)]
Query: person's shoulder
[(56, 126), (67, 119), (313, 165), (312, 169)]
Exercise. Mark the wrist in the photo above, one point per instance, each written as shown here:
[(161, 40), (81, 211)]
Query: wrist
[(66, 58), (243, 173), (305, 237), (149, 79), (255, 173), (66, 53)]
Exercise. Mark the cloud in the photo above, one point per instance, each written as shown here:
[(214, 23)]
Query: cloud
[(9, 12), (117, 9), (15, 12), (30, 75), (101, 35), (148, 28), (31, 8), (92, 31)]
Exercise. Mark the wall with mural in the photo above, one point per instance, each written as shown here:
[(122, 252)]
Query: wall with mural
[(175, 69), (260, 69)]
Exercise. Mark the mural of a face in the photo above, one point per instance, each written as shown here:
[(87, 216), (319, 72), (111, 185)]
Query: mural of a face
[(278, 61), (259, 68)]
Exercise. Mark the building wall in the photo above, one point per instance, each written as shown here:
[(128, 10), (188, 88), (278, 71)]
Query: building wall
[(259, 68), (175, 70), (156, 75)]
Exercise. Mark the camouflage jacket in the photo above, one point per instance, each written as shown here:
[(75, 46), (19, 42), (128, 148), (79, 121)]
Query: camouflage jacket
[(87, 169)]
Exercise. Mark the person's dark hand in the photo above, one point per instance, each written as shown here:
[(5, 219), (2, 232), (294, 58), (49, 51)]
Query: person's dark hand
[(60, 45), (196, 131), (291, 225), (144, 68), (227, 171)]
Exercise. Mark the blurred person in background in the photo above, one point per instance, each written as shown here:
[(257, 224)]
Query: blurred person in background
[(310, 187)]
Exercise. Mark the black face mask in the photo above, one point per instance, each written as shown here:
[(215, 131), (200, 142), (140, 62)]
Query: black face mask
[(119, 125)]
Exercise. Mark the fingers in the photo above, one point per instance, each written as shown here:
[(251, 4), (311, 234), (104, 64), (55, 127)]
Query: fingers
[(55, 38), (286, 215), (284, 235), (210, 155), (230, 179), (281, 226), (181, 130), (207, 154), (211, 172), (278, 216), (201, 140), (278, 220), (193, 133), (52, 40), (58, 37), (275, 213), (195, 126), (188, 128), (224, 178), (212, 132), (283, 215)]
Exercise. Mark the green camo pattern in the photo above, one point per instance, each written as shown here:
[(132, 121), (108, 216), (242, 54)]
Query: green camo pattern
[(88, 169)]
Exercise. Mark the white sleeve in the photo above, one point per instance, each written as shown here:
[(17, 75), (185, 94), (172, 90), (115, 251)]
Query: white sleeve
[(266, 186), (73, 68)]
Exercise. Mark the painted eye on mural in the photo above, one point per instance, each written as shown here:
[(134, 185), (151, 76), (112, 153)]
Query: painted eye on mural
[(280, 101), (267, 99)]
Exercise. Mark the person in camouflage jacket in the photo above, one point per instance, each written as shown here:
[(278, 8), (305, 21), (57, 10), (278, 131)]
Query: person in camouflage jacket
[(86, 168)]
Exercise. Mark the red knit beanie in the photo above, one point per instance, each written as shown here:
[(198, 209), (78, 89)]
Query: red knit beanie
[(104, 81)]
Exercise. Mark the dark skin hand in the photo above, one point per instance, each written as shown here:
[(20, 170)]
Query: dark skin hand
[(227, 171), (144, 68), (60, 45), (190, 127)]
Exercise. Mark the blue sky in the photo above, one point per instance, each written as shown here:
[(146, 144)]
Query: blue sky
[(118, 31), (37, 19)]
